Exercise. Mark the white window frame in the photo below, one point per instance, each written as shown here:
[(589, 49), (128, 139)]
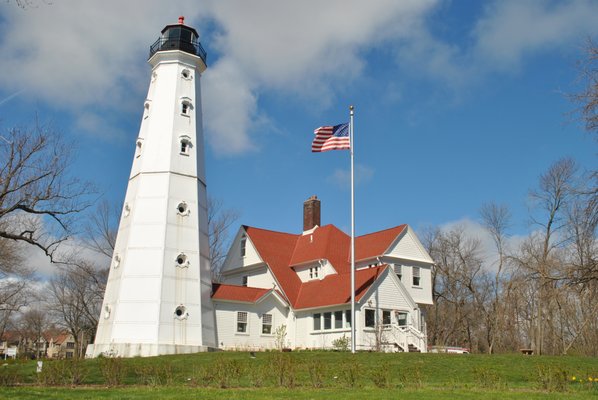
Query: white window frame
[(416, 276), (267, 321), (242, 321)]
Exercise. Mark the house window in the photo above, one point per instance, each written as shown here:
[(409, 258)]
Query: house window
[(399, 271), (327, 320), (347, 318), (245, 279), (317, 322), (338, 320), (370, 318), (385, 317), (70, 345), (311, 273), (316, 272), (69, 354), (416, 276), (267, 324), (402, 318), (241, 322), (243, 244)]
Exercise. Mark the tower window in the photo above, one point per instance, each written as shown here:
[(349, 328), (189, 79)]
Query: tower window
[(181, 260), (138, 147), (245, 280), (127, 210), (181, 312), (182, 208), (186, 74), (186, 106), (146, 109), (116, 261), (185, 142), (107, 311)]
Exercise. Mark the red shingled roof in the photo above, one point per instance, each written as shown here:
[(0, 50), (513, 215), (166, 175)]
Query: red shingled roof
[(283, 251), (237, 293), (336, 289)]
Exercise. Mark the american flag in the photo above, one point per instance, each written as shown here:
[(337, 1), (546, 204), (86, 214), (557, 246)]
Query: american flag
[(331, 138)]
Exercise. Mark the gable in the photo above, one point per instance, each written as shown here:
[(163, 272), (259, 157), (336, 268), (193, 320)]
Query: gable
[(408, 246), (234, 260), (388, 292)]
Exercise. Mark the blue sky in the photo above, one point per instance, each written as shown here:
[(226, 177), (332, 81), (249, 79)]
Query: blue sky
[(457, 103)]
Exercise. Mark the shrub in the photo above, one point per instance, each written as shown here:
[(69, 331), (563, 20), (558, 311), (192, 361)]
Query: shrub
[(113, 370), (349, 373), (381, 376), (155, 375), (284, 368), (316, 372), (342, 343), (63, 372), (487, 378), (9, 376), (551, 378)]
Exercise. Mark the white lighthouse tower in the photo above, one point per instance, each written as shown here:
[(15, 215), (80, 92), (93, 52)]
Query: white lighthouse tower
[(157, 299)]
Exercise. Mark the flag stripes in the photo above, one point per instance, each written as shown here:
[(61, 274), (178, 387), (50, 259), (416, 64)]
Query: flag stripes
[(331, 138)]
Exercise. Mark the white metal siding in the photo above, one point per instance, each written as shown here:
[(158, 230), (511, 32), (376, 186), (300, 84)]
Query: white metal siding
[(226, 322)]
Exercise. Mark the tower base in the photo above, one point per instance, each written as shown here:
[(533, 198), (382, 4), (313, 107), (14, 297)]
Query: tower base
[(127, 350)]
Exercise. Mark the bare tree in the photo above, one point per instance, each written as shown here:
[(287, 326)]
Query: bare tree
[(33, 324), (587, 99), (75, 298), (38, 199), (496, 220), (220, 220), (101, 229)]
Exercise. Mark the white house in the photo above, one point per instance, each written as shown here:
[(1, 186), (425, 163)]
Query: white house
[(302, 281)]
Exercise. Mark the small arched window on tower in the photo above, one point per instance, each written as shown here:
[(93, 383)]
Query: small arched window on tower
[(138, 147), (182, 209), (186, 74), (181, 260), (185, 145), (146, 108), (181, 312), (186, 106)]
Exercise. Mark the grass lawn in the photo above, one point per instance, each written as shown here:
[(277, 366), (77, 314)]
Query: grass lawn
[(307, 375)]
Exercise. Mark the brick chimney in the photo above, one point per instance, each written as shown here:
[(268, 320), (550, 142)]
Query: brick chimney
[(311, 213)]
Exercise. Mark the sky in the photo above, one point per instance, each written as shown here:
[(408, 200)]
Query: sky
[(457, 103)]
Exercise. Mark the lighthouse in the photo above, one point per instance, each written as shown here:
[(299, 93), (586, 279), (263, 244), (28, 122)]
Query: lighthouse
[(157, 298)]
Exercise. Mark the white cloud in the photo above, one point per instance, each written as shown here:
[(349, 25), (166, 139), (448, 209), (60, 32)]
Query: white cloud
[(342, 177), (515, 29), (92, 54)]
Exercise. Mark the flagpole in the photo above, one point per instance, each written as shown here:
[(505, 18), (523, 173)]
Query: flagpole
[(353, 322)]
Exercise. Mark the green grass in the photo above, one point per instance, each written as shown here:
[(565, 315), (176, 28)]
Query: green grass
[(319, 375)]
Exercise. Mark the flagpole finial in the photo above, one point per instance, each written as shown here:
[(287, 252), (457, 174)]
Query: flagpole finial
[(351, 108)]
